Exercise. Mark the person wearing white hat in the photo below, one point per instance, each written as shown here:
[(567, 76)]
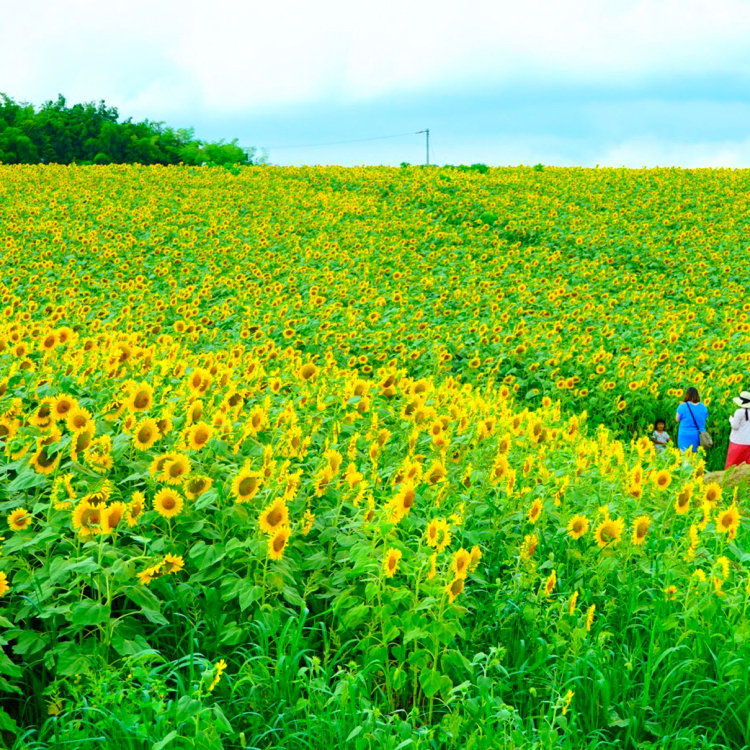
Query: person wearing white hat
[(739, 439)]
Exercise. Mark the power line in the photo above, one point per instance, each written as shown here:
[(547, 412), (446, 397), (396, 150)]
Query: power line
[(339, 143)]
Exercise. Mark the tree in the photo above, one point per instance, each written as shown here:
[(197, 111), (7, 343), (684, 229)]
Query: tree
[(92, 133)]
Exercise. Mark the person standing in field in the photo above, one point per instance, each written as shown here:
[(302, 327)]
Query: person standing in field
[(739, 438), (660, 437), (691, 419)]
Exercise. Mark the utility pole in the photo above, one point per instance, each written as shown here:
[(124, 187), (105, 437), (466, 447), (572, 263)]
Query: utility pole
[(427, 143)]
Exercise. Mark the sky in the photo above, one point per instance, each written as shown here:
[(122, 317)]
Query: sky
[(569, 82)]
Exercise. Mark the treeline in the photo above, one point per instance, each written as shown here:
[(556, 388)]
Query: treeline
[(92, 134)]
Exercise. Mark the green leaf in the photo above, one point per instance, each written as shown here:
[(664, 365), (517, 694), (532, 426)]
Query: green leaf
[(222, 723), (27, 479), (165, 741), (354, 733), (89, 613), (249, 593), (206, 499), (430, 681), (7, 723), (71, 661)]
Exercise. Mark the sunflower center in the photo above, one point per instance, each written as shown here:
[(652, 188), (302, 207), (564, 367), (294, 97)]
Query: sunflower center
[(141, 400), (247, 485)]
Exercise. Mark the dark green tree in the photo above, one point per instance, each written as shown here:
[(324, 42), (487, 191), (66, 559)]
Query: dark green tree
[(92, 133)]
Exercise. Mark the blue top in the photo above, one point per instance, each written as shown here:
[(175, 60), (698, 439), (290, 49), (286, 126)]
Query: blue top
[(700, 411)]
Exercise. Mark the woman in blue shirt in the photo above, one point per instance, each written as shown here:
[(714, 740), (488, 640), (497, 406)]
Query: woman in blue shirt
[(691, 418)]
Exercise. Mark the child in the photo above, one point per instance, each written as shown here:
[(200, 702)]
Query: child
[(659, 437)]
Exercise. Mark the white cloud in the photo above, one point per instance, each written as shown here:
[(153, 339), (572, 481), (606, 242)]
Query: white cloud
[(649, 151), (226, 56)]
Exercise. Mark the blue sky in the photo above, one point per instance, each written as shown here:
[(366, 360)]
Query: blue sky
[(573, 82)]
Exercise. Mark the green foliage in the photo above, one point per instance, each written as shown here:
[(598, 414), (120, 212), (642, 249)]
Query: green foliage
[(92, 134)]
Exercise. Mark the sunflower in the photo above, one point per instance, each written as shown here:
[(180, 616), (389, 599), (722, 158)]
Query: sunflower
[(194, 412), (334, 459), (535, 511), (4, 588), (78, 419), (196, 484), (590, 616), (62, 492), (433, 532), (635, 490), (640, 529), (164, 423), (662, 479), (728, 520), (454, 588), (141, 397), (98, 453), (566, 704), (8, 428), (353, 477), (550, 583), (156, 467), (435, 473), (145, 434), (723, 562), (64, 334), (81, 440), (112, 515), (42, 417), (146, 576), (682, 501), (172, 563), (198, 435), (44, 463), (168, 503), (578, 526), (444, 536), (403, 501), (62, 406), (277, 543), (176, 469), (219, 668), (432, 572), (308, 521), (100, 495), (499, 469), (135, 508), (636, 474), (87, 518), (307, 372), (609, 532), (49, 341), (529, 546), (246, 485), (713, 492), (476, 556), (390, 561), (18, 519), (460, 563), (572, 603), (274, 516)]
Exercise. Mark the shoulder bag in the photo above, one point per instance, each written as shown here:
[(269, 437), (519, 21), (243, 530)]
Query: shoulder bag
[(704, 439)]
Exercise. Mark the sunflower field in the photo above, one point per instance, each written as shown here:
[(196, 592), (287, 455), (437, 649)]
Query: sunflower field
[(360, 457)]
